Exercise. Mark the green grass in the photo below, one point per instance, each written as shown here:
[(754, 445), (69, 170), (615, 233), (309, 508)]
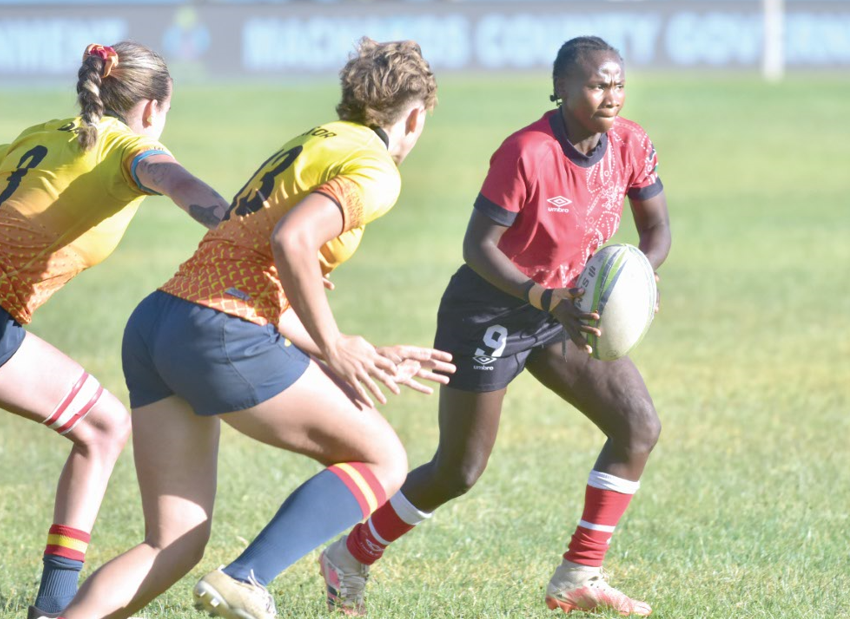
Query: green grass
[(744, 507)]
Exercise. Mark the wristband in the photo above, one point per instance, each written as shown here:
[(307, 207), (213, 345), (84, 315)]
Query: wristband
[(546, 299), (526, 288)]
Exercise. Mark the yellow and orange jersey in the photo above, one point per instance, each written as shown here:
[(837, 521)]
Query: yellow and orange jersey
[(62, 209), (233, 269)]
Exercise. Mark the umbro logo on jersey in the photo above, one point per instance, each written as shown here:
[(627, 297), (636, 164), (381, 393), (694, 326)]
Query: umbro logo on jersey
[(559, 204), (483, 362)]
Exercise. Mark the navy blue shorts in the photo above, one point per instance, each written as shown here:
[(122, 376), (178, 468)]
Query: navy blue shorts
[(11, 336), (217, 362), (489, 332)]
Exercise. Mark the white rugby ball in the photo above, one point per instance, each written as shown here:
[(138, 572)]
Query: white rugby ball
[(619, 285)]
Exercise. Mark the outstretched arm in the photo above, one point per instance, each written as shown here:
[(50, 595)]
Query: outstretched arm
[(295, 242), (412, 362), (164, 175)]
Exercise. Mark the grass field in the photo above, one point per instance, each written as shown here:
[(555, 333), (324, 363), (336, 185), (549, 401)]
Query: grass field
[(744, 507)]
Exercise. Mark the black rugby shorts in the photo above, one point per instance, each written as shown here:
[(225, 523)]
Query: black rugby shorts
[(489, 332)]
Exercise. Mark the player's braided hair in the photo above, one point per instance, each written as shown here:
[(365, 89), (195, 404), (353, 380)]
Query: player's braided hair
[(380, 79), (572, 52), (139, 74)]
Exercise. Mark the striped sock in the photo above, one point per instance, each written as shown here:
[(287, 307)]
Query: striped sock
[(63, 560), (367, 541), (322, 507), (605, 502)]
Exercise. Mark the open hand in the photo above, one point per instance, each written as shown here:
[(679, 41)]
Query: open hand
[(358, 363), (413, 362)]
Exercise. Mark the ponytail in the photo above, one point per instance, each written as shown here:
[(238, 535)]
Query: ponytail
[(88, 96), (113, 80)]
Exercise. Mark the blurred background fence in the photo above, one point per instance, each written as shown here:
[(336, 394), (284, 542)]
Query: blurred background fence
[(42, 40)]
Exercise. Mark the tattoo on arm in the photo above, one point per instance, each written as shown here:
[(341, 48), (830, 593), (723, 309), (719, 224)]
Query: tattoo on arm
[(182, 187), (158, 173), (209, 216)]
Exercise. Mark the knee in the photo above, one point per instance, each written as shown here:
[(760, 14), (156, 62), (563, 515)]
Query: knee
[(456, 479), (183, 551), (391, 467), (643, 427), (194, 548), (106, 429)]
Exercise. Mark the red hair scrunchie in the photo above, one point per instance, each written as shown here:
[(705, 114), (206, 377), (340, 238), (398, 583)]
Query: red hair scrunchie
[(106, 53)]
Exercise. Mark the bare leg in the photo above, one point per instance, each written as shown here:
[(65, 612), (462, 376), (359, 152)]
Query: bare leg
[(176, 454), (612, 395), (469, 423), (97, 440), (318, 417), (75, 405)]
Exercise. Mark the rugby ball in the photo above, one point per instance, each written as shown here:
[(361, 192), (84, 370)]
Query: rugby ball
[(619, 285)]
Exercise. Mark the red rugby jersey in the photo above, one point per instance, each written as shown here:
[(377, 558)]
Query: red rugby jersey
[(559, 204)]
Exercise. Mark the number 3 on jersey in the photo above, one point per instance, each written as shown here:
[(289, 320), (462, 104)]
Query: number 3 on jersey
[(246, 205), (28, 161)]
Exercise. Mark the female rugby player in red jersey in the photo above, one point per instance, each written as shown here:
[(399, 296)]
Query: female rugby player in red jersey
[(209, 347), (553, 195), (68, 190)]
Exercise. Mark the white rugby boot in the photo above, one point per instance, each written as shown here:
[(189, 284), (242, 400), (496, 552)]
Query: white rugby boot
[(345, 579), (223, 596), (581, 587)]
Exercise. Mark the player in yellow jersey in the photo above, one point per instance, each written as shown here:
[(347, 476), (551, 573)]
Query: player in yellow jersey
[(222, 341), (68, 190)]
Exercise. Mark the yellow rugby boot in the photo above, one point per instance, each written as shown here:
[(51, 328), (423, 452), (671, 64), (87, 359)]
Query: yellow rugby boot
[(581, 587), (223, 596)]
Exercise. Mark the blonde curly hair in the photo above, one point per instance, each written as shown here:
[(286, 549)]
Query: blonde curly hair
[(381, 79)]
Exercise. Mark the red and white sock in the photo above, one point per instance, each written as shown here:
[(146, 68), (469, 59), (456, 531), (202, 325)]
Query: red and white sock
[(368, 540), (605, 502)]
